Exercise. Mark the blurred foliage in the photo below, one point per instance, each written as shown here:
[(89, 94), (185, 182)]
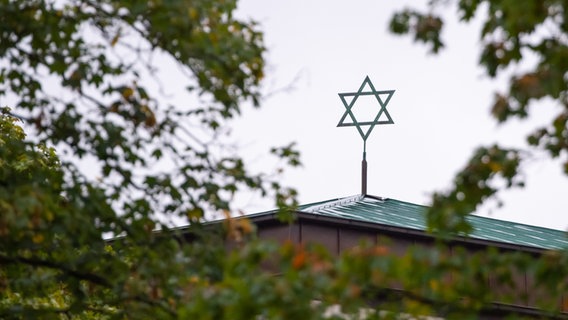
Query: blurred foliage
[(87, 78), (528, 41), (77, 76), (511, 35)]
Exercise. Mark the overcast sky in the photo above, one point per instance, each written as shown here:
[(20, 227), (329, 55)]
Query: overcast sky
[(440, 108)]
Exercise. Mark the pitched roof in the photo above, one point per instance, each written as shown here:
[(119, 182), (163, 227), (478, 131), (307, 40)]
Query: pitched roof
[(395, 213)]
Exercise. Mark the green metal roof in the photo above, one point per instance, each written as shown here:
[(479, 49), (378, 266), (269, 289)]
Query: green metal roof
[(402, 214)]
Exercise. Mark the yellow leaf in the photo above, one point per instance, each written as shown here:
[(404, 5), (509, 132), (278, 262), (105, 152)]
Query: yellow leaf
[(38, 238), (194, 214), (49, 215), (434, 285), (495, 166), (127, 93), (114, 40), (150, 117), (246, 226), (192, 13)]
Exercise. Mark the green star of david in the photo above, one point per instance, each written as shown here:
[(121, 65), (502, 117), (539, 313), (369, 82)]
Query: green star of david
[(370, 124)]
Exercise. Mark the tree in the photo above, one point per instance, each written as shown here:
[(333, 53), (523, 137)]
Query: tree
[(511, 34), (77, 74)]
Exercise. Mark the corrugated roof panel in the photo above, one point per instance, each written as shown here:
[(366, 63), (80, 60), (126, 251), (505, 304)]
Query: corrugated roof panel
[(397, 213)]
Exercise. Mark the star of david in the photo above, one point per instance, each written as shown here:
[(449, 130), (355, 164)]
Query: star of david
[(370, 124)]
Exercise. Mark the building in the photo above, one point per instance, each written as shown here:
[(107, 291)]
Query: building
[(340, 224)]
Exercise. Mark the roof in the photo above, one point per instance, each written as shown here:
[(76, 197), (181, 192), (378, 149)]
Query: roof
[(395, 213)]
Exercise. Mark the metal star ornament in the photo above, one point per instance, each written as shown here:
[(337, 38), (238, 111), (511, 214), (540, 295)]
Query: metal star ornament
[(382, 103)]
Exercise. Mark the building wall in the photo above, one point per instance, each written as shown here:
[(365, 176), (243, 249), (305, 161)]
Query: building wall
[(338, 237)]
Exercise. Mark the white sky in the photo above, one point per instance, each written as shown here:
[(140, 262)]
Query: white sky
[(440, 109)]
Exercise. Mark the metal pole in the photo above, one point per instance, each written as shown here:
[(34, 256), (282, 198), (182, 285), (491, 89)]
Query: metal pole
[(364, 170)]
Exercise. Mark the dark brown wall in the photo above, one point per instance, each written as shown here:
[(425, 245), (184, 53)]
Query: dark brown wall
[(279, 232), (338, 237)]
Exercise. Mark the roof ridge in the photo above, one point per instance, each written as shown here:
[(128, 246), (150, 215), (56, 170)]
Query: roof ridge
[(334, 203), (375, 197)]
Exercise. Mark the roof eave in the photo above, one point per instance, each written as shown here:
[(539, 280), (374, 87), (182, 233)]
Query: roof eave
[(272, 217)]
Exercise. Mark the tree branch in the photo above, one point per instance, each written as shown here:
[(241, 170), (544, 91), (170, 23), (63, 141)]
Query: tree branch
[(35, 262)]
